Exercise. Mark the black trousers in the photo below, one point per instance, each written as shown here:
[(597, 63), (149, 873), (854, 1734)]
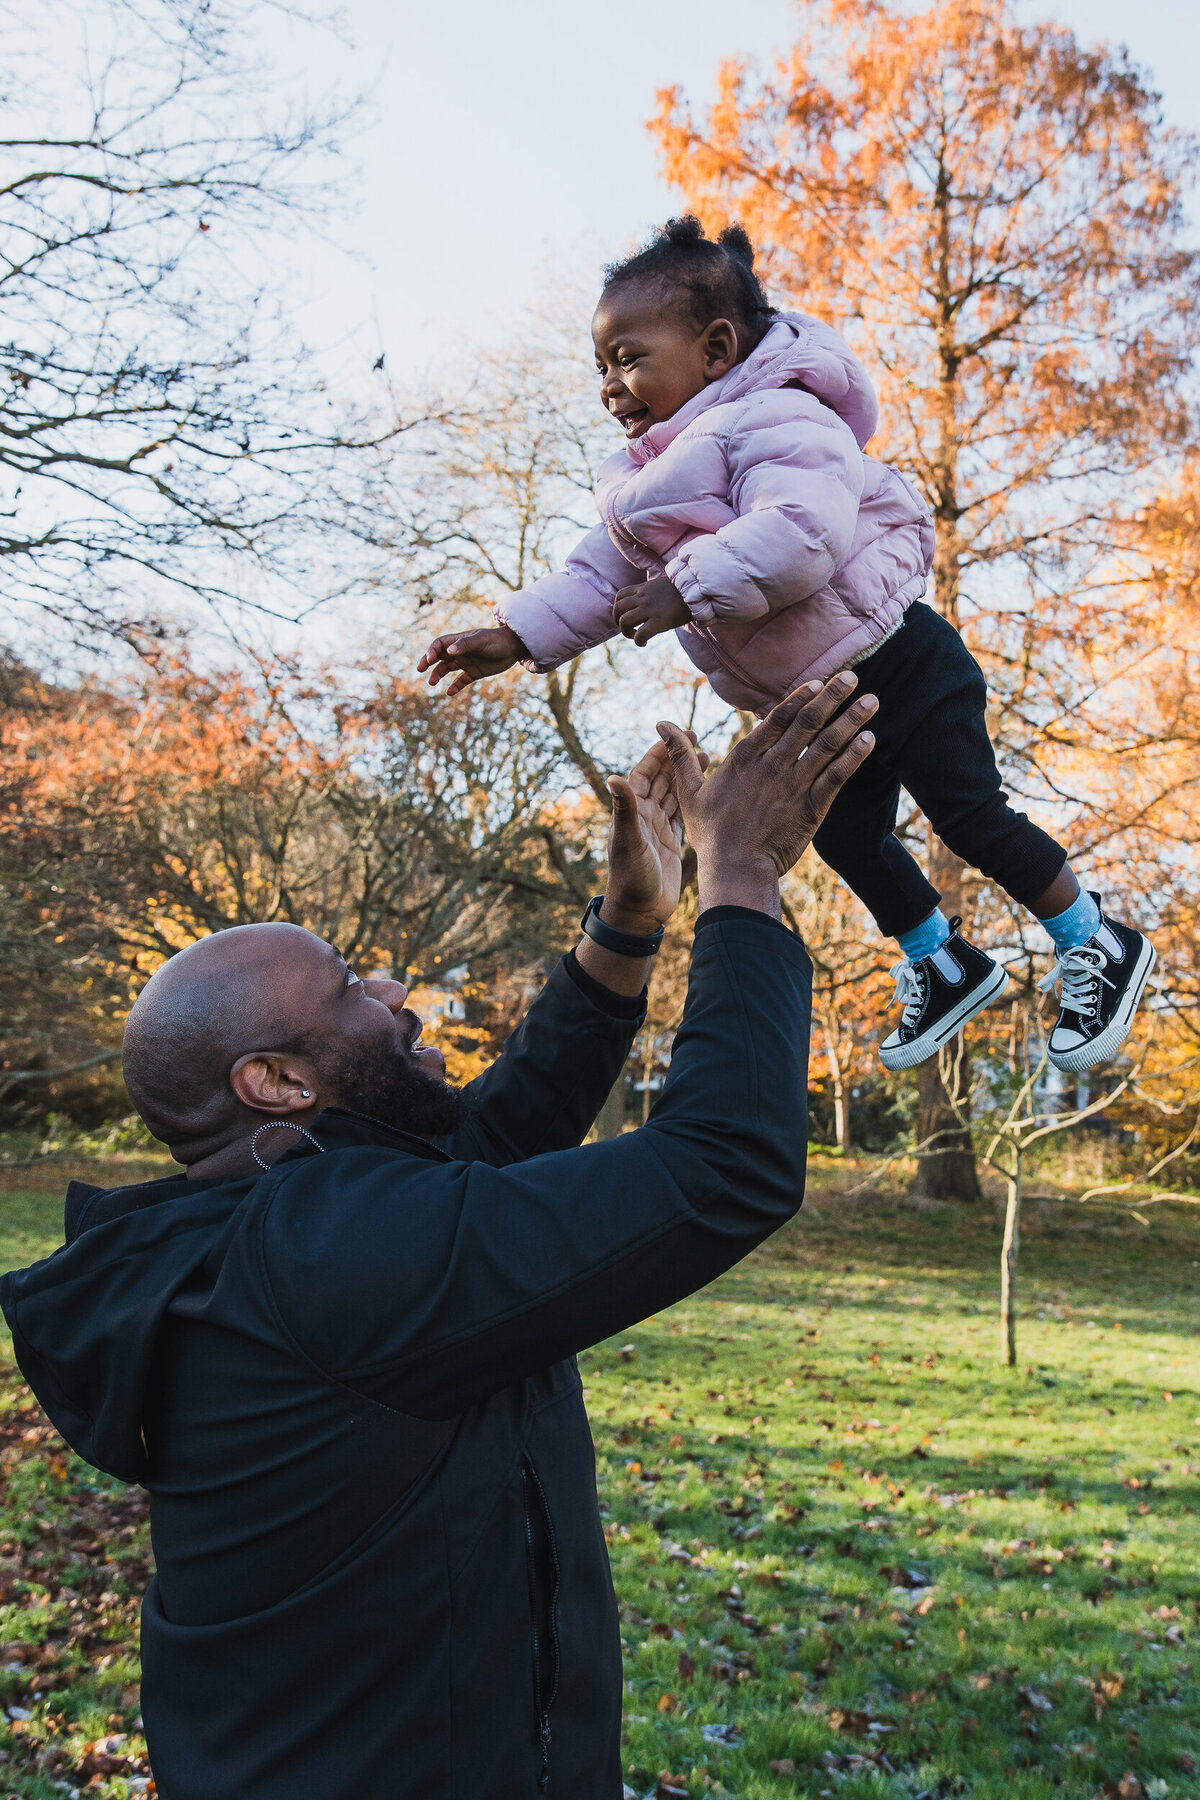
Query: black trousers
[(931, 738)]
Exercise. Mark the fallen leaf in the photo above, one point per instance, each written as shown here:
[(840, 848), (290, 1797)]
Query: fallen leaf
[(783, 1766), (671, 1787), (685, 1668), (849, 1720), (904, 1578), (667, 1703)]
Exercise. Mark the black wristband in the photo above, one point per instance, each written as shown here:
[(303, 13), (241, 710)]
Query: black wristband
[(623, 943)]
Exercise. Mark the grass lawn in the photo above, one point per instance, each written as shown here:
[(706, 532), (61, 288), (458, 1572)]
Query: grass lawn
[(854, 1556)]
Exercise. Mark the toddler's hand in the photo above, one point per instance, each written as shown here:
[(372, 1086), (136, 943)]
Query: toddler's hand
[(650, 608), (470, 656)]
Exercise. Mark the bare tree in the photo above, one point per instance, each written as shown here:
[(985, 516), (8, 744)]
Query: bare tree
[(489, 493), (161, 426)]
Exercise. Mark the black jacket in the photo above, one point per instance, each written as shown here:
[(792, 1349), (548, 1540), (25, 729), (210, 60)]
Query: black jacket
[(349, 1388)]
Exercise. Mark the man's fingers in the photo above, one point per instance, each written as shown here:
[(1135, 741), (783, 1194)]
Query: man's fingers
[(835, 775), (624, 831), (768, 732), (687, 775), (830, 742), (814, 715)]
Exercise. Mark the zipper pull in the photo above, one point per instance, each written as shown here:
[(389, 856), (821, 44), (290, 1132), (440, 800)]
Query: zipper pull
[(544, 1736)]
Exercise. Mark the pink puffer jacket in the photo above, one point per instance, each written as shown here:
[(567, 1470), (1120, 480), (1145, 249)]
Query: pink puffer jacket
[(793, 551)]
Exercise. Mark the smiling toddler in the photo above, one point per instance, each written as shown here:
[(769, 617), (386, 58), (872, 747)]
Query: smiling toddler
[(743, 514)]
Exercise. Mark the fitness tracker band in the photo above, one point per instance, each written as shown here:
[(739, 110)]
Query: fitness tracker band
[(624, 943)]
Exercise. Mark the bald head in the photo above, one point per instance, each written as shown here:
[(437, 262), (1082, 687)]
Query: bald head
[(266, 1025), (250, 988)]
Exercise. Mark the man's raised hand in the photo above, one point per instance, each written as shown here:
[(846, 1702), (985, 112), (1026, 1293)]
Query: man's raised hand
[(471, 656), (752, 818), (645, 842)]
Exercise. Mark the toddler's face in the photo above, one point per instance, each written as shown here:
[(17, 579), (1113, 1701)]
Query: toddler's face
[(652, 360)]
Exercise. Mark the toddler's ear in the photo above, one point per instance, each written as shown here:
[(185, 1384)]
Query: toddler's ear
[(720, 348)]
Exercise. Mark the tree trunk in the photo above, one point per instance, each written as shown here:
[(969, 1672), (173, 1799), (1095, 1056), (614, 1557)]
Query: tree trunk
[(1008, 1265), (831, 1032), (841, 1115), (946, 1170)]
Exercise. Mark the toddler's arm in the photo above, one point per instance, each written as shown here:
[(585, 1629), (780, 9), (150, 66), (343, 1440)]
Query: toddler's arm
[(564, 614), (544, 625), (470, 656), (795, 481)]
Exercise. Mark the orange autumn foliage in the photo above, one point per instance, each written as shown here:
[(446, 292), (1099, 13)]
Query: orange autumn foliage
[(994, 215), (137, 816)]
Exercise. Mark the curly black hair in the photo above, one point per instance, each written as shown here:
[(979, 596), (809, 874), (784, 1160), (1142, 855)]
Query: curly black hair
[(710, 278)]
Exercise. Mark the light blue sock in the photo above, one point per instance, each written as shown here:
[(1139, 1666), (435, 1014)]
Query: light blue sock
[(1076, 925), (926, 937)]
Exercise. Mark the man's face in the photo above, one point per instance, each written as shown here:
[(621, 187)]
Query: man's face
[(366, 1046)]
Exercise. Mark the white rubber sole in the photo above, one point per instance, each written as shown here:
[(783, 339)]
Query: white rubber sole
[(907, 1056), (1090, 1056)]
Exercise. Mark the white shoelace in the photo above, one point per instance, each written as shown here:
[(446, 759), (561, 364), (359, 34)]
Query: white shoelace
[(910, 990), (1079, 971)]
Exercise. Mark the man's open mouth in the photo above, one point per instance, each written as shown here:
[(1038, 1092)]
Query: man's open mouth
[(430, 1059)]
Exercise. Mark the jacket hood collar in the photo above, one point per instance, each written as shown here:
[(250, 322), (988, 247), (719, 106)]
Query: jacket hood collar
[(797, 351), (86, 1320)]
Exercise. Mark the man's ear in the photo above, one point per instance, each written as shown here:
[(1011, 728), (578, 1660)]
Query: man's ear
[(720, 349), (272, 1081)]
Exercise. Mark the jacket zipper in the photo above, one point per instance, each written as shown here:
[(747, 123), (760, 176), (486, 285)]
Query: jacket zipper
[(728, 662), (543, 1698)]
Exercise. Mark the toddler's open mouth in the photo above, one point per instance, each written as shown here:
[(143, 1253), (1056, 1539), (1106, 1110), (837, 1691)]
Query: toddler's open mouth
[(633, 422)]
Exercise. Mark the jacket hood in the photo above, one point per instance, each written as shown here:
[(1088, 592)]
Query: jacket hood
[(85, 1321), (796, 352)]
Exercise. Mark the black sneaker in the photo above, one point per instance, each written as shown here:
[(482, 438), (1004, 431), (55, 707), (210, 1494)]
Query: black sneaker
[(939, 994), (1101, 988)]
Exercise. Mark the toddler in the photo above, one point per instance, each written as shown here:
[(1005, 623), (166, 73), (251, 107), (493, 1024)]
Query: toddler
[(742, 514)]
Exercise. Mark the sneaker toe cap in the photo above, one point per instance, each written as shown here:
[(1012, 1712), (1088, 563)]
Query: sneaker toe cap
[(1064, 1038)]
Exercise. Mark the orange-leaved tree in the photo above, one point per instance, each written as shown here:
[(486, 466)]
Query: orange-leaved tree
[(993, 214)]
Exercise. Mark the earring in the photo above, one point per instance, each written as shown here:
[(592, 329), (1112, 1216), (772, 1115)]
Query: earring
[(305, 1094)]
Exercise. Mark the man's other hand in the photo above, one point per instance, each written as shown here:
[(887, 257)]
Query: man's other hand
[(471, 656), (645, 842), (752, 818)]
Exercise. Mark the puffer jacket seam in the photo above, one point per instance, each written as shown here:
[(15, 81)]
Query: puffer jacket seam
[(729, 551)]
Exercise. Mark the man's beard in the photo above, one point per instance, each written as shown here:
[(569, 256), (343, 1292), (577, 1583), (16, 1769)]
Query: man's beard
[(387, 1082)]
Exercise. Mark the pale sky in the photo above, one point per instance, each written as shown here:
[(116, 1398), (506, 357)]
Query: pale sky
[(508, 145)]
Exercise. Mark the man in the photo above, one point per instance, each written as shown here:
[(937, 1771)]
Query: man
[(339, 1351)]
